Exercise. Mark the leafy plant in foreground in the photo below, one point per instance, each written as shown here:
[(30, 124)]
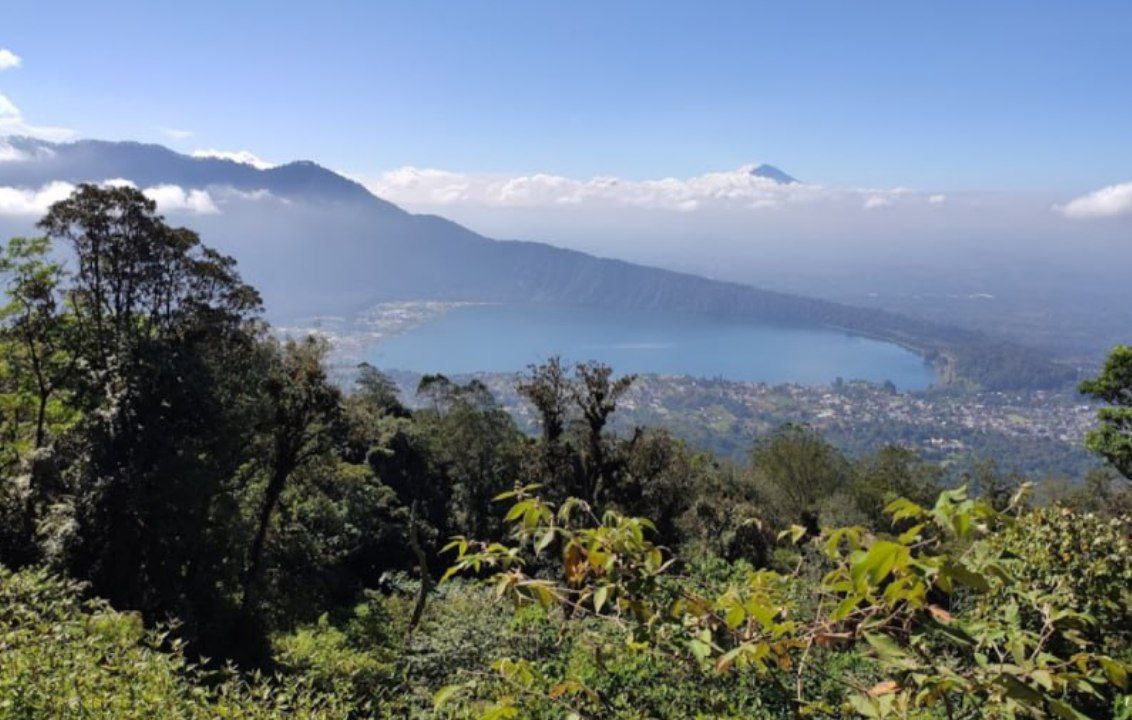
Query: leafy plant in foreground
[(946, 616)]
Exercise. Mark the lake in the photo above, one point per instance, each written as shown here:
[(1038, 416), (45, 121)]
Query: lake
[(500, 338)]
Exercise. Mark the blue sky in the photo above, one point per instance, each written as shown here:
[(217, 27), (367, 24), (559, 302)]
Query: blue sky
[(950, 95)]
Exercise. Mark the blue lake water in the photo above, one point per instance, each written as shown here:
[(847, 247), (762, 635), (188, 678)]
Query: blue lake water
[(495, 338)]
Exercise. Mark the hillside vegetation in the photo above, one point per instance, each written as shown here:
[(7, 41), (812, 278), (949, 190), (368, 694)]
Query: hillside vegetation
[(196, 522)]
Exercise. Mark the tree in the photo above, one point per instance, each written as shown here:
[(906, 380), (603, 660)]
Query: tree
[(887, 474), (799, 471), (1112, 439), (659, 478), (140, 282), (377, 391), (595, 393), (166, 357), (36, 324), (37, 367), (548, 388), (551, 461), (304, 410)]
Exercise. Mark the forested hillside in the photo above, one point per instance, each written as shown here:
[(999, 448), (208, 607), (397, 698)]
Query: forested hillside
[(195, 522)]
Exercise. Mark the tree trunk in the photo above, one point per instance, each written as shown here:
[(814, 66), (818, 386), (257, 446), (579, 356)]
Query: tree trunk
[(255, 558), (422, 564), (41, 420)]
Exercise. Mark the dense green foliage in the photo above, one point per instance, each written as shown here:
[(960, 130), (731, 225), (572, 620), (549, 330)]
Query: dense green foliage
[(1113, 438), (63, 658), (949, 611), (196, 522)]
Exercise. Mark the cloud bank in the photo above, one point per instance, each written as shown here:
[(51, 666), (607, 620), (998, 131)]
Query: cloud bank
[(169, 198), (738, 188), (1109, 201), (21, 201), (175, 199)]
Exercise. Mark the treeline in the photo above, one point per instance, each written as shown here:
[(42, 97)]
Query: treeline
[(162, 451)]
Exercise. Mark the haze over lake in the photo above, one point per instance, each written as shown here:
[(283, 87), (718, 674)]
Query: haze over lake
[(501, 338)]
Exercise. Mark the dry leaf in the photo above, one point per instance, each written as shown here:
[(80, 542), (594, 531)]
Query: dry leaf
[(884, 688)]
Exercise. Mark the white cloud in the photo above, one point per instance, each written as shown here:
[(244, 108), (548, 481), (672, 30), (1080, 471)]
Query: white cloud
[(9, 59), (731, 189), (225, 193), (1107, 202), (169, 198), (176, 134), (23, 201), (8, 109), (937, 199), (118, 182), (173, 198), (243, 157), (12, 123)]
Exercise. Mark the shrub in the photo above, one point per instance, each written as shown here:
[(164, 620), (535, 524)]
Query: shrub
[(63, 658)]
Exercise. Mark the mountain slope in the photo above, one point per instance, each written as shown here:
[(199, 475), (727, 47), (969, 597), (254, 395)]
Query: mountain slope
[(315, 242)]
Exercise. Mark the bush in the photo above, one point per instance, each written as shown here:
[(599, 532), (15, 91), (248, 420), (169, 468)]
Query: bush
[(1085, 562), (62, 658)]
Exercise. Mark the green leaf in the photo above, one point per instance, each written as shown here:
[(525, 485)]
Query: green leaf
[(901, 509), (600, 596), (518, 509), (500, 712), (865, 706), (735, 616), (889, 652), (699, 648), (1043, 678), (910, 534), (1065, 711), (1116, 672), (444, 694), (796, 533), (965, 576), (545, 540)]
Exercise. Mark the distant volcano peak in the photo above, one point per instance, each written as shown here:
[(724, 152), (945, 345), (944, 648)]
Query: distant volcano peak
[(772, 173)]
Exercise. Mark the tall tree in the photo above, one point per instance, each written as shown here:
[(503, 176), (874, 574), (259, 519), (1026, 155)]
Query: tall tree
[(304, 409), (1112, 438), (168, 349), (595, 392), (377, 391), (799, 471), (36, 365), (551, 461), (35, 323), (547, 387), (139, 281)]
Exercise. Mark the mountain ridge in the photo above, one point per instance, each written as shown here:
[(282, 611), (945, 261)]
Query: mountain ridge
[(147, 164)]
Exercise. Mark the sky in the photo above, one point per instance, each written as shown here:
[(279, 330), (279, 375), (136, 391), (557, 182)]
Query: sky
[(935, 97)]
